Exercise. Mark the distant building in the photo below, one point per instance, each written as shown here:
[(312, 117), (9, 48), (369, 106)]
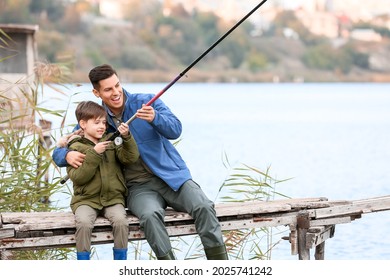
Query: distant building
[(111, 9), (319, 22), (366, 34), (18, 54)]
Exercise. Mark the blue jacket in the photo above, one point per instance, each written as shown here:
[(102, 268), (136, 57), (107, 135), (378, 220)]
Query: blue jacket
[(152, 139)]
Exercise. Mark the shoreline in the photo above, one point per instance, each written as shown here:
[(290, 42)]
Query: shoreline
[(239, 76)]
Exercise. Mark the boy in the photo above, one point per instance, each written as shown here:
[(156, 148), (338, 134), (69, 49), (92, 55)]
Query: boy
[(98, 185)]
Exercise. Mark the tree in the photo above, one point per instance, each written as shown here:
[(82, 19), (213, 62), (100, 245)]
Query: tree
[(53, 10), (14, 11)]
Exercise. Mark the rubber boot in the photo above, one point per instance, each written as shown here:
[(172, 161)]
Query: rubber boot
[(216, 253), (120, 254), (169, 256), (83, 255)]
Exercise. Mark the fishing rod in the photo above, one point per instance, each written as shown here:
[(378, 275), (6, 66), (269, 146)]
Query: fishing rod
[(178, 77)]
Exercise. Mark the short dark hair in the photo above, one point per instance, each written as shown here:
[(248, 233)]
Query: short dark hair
[(87, 110), (99, 73)]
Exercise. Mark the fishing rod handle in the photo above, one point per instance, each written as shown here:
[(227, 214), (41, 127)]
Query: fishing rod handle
[(64, 179), (117, 133)]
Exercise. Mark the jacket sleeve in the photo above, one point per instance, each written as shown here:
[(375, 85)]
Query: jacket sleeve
[(128, 153), (165, 122), (59, 155), (87, 170)]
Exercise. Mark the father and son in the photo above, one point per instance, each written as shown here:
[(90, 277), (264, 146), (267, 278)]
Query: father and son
[(141, 170)]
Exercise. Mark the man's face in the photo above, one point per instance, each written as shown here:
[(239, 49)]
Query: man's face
[(111, 93)]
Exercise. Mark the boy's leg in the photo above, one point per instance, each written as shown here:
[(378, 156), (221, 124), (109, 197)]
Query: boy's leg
[(85, 217), (117, 216)]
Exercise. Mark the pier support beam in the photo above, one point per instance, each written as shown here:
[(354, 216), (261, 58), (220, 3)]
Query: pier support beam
[(303, 224)]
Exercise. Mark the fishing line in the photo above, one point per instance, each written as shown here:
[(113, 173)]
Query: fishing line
[(178, 77)]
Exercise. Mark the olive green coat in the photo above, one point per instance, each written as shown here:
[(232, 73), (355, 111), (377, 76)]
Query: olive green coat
[(99, 181)]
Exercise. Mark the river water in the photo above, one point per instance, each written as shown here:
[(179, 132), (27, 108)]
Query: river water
[(332, 140)]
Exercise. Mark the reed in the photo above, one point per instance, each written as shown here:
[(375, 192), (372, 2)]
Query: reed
[(246, 183), (25, 155)]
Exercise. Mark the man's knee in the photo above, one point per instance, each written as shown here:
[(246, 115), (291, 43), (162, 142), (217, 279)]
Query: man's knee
[(204, 208), (152, 216)]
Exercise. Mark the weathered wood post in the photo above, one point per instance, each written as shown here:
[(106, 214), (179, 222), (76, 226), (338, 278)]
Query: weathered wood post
[(320, 251), (4, 254), (303, 224)]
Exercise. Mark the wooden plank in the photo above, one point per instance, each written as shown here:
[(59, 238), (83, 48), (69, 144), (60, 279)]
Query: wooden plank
[(104, 237), (315, 238), (317, 229), (259, 222), (245, 208), (7, 233), (384, 198), (355, 208), (330, 221), (135, 233), (260, 207), (375, 204), (18, 217), (65, 220), (43, 220), (222, 209)]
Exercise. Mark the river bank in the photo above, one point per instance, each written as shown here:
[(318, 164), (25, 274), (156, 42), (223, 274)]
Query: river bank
[(241, 76)]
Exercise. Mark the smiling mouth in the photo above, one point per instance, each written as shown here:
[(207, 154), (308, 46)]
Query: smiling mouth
[(116, 99)]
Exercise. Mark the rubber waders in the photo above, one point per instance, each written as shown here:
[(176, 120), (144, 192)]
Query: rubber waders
[(216, 253), (169, 256)]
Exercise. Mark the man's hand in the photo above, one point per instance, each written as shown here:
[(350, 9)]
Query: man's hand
[(146, 113), (75, 159)]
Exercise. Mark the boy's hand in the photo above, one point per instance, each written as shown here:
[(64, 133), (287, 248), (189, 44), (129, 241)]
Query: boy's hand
[(124, 129), (101, 146)]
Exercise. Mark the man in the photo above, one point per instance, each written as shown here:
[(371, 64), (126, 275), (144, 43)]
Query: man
[(160, 177)]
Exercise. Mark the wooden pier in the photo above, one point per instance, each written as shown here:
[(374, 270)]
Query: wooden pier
[(311, 221)]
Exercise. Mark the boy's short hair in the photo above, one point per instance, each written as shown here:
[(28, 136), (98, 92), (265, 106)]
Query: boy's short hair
[(87, 110)]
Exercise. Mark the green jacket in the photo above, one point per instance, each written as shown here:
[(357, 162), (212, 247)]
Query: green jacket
[(99, 181)]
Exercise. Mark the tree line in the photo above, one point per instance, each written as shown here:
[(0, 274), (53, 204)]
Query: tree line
[(75, 32)]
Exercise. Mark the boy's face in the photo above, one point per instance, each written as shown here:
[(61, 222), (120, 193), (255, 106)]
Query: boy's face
[(111, 93), (94, 128)]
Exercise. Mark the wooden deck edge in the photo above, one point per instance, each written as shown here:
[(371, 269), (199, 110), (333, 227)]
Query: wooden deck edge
[(26, 231)]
